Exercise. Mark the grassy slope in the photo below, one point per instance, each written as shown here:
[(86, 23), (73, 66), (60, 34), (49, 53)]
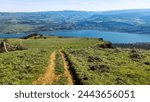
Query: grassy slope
[(110, 66), (57, 43), (23, 67), (116, 65)]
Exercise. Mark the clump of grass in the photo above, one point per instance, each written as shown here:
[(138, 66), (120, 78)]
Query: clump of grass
[(100, 68), (62, 81), (94, 58), (59, 64), (136, 56)]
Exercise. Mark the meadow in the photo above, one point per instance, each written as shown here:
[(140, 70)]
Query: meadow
[(110, 66), (76, 61), (24, 67)]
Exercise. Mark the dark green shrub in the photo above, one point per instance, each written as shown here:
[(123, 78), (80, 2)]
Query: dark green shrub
[(94, 58), (99, 68)]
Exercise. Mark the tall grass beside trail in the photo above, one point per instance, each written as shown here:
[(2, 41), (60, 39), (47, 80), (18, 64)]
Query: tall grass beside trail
[(23, 67), (62, 81)]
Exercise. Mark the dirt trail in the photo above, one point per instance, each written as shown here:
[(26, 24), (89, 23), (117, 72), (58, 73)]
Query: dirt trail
[(49, 77), (67, 73)]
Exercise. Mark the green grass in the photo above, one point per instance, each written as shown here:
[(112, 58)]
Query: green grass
[(62, 81), (53, 42), (24, 67), (59, 70), (92, 65), (110, 66), (59, 64)]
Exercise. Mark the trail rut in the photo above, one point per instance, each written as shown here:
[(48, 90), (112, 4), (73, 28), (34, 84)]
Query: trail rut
[(49, 76), (67, 73)]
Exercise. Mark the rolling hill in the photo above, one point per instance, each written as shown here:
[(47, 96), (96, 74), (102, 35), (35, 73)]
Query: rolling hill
[(131, 21)]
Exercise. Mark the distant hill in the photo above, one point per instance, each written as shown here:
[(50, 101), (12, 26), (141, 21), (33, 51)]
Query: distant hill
[(131, 21)]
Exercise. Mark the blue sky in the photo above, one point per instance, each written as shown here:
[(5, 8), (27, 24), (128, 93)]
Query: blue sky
[(55, 5)]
